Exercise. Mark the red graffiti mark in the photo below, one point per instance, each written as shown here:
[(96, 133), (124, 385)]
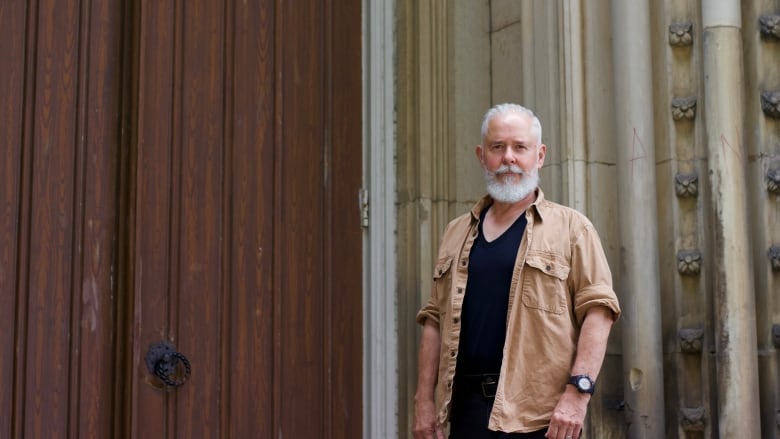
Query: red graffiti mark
[(636, 154), (724, 143)]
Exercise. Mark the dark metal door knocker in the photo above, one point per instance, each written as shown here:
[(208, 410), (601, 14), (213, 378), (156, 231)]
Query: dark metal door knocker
[(170, 366)]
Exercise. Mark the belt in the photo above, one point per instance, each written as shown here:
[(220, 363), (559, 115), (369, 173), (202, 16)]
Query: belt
[(482, 384)]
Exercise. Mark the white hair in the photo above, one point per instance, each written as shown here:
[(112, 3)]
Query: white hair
[(503, 109)]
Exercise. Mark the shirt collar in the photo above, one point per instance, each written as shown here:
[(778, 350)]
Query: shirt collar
[(539, 205)]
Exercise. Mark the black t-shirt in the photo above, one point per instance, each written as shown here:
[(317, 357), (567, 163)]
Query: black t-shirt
[(485, 306)]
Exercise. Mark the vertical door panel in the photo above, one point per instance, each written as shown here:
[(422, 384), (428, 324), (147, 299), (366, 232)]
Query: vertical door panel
[(242, 211), (59, 80), (249, 178), (51, 219), (94, 262), (344, 234), (198, 202), (151, 257), (12, 51), (300, 218)]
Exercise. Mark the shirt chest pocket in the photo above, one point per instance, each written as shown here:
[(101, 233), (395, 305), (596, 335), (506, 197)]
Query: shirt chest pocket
[(544, 282)]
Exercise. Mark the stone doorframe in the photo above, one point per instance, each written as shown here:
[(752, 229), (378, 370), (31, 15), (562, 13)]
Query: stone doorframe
[(377, 204)]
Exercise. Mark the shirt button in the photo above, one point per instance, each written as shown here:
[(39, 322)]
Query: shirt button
[(548, 267), (453, 353), (464, 262), (455, 320), (449, 384)]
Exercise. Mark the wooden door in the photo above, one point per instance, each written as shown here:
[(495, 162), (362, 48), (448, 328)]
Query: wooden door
[(59, 128), (186, 172)]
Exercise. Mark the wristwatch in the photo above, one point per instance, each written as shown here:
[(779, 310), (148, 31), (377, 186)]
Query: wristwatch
[(583, 383)]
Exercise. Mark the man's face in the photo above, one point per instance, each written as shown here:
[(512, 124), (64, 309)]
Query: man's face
[(511, 158)]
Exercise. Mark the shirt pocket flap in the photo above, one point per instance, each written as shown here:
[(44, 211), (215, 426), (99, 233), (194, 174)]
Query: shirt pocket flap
[(549, 263), (442, 266)]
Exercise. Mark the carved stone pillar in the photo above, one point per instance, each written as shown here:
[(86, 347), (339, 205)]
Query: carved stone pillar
[(425, 164), (761, 52), (733, 288), (639, 290)]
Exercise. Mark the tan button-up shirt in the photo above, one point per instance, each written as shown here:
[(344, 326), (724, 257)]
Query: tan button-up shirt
[(560, 272)]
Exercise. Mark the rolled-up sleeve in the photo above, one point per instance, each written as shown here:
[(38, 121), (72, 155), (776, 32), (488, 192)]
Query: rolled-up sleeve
[(429, 311), (590, 279)]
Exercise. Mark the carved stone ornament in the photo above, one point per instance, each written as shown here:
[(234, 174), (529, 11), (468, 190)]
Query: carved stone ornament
[(684, 108), (776, 335), (689, 262), (769, 26), (687, 185), (691, 340), (770, 103), (692, 418), (681, 34), (773, 180), (774, 257)]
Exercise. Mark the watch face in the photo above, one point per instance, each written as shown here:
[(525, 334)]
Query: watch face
[(583, 383)]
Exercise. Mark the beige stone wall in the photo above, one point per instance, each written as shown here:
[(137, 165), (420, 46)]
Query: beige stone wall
[(629, 108)]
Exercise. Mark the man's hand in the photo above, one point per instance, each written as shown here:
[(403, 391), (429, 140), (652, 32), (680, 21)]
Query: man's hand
[(569, 414), (425, 424)]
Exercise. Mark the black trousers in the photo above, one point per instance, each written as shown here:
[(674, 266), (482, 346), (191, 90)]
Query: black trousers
[(469, 419)]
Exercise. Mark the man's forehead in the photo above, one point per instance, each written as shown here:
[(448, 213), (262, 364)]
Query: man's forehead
[(510, 119), (519, 125)]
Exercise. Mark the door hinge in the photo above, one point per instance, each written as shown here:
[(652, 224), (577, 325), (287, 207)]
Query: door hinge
[(363, 196)]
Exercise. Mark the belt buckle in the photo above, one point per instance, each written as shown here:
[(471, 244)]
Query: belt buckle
[(489, 387)]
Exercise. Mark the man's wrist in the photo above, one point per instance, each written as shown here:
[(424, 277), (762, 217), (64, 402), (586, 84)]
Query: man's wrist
[(583, 383), (423, 397)]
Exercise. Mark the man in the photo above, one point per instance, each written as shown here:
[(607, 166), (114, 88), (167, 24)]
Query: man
[(516, 328)]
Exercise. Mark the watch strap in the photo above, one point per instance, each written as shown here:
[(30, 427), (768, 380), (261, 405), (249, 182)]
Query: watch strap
[(574, 380)]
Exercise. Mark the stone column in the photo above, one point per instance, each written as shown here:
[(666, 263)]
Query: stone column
[(639, 288), (734, 297)]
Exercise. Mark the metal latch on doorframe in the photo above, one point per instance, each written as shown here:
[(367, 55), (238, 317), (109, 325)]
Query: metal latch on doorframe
[(363, 197)]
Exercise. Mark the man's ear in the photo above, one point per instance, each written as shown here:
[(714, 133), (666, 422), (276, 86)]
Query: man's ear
[(542, 151), (480, 152)]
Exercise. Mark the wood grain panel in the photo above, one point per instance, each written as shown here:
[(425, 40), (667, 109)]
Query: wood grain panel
[(51, 240), (94, 297), (250, 88), (344, 234), (302, 321), (124, 396), (200, 140), (151, 255), (60, 206), (12, 52)]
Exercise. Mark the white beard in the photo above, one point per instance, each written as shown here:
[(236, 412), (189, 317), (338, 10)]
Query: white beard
[(508, 192)]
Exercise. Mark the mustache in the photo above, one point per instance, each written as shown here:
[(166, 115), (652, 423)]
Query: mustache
[(507, 169)]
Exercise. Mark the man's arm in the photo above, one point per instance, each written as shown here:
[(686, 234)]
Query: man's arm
[(569, 414), (425, 423)]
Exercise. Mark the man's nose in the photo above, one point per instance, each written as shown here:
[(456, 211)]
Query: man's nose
[(509, 156)]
